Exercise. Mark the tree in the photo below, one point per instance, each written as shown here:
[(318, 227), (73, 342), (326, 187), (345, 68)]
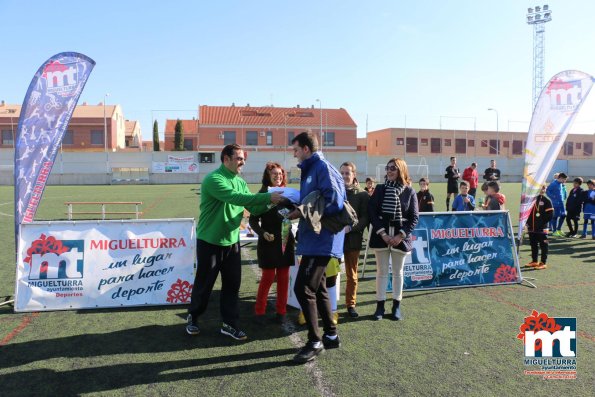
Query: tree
[(179, 136), (155, 137)]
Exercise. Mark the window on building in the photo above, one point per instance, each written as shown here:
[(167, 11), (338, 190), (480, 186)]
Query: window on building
[(436, 145), (251, 138), (376, 142), (68, 138), (494, 146), (206, 157), (517, 148), (568, 148), (97, 138), (460, 146), (471, 143), (7, 137), (448, 142), (588, 149), (188, 144), (400, 141), (506, 144), (411, 146), (329, 138), (229, 137), (269, 138), (484, 143), (290, 136), (424, 142), (578, 145)]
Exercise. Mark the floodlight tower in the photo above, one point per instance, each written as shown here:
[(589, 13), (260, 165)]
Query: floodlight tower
[(537, 17)]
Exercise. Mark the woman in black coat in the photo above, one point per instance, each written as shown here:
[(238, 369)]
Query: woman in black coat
[(393, 213), (276, 246)]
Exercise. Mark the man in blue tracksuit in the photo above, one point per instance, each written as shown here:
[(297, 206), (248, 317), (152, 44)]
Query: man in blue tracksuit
[(316, 249), (556, 191)]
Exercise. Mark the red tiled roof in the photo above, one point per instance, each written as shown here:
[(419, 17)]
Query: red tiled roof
[(130, 125), (248, 115), (189, 126)]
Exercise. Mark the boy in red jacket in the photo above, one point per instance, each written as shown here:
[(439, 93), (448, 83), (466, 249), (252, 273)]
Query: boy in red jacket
[(470, 175)]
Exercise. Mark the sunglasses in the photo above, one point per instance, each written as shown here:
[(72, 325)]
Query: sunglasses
[(390, 168)]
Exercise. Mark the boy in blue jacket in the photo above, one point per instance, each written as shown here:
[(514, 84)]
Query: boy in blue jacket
[(589, 209), (556, 191), (316, 249), (464, 201)]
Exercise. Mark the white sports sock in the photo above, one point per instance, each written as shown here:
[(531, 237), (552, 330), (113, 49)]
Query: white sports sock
[(332, 295), (332, 337)]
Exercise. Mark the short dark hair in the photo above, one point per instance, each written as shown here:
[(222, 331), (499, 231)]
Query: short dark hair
[(484, 187), (473, 164), (562, 175), (229, 150), (494, 185), (453, 157), (578, 180), (464, 183), (426, 180), (306, 139), (368, 179)]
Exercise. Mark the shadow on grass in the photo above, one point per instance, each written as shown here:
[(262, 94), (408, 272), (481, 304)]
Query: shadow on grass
[(145, 339), (105, 378)]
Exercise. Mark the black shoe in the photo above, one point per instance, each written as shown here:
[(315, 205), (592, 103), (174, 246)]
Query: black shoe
[(379, 313), (260, 319), (228, 330), (280, 318), (191, 326), (352, 313), (396, 310), (329, 343), (308, 353)]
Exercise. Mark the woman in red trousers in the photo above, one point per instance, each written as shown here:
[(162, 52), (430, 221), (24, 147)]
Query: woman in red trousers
[(275, 248)]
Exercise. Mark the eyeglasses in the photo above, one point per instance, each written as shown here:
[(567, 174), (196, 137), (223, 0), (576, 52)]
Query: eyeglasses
[(390, 168)]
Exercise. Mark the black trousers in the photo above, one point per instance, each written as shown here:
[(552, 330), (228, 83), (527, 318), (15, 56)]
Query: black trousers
[(538, 240), (310, 291), (572, 222), (212, 260)]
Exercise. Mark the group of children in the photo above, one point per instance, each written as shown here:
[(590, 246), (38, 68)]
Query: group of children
[(494, 200), (552, 205), (568, 206)]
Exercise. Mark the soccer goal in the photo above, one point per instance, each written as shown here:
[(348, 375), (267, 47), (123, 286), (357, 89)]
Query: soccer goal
[(416, 171)]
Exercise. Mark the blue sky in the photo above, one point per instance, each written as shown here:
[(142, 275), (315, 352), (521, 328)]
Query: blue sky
[(390, 61)]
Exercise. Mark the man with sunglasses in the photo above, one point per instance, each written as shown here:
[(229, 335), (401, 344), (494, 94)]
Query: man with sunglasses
[(224, 195)]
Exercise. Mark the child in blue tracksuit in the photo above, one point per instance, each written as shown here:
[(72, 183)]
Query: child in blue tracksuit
[(556, 191), (589, 208), (464, 201), (574, 205)]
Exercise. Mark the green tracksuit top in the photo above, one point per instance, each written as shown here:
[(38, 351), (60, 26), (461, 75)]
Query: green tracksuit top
[(222, 200)]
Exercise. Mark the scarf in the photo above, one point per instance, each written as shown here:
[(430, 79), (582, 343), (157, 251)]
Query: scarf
[(392, 204)]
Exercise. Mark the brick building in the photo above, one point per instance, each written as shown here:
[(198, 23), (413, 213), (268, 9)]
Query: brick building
[(85, 132), (262, 129), (445, 143)]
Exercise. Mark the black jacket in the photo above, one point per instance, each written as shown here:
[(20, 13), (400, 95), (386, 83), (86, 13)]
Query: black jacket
[(270, 255), (410, 217), (359, 201), (574, 202), (542, 206)]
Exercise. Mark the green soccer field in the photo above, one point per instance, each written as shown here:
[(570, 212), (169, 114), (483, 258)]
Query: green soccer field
[(451, 342)]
